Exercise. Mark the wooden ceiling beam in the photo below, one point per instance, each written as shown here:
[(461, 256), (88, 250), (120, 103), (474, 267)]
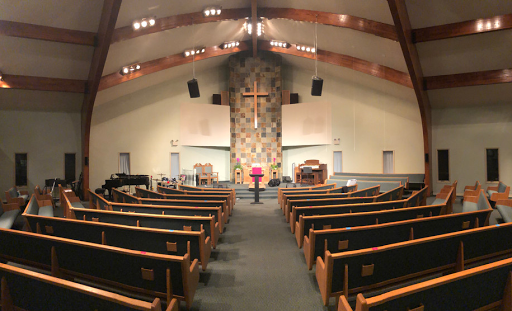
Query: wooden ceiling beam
[(466, 28), (254, 20), (338, 20), (167, 62), (108, 20), (468, 79), (404, 31), (42, 84), (346, 61), (181, 20), (31, 31)]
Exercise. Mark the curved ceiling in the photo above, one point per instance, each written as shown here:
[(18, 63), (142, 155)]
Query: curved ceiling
[(29, 57)]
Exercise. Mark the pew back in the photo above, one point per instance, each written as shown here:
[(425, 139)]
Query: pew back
[(384, 185)]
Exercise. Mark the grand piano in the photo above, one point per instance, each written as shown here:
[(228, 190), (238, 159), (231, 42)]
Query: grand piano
[(319, 171), (125, 180)]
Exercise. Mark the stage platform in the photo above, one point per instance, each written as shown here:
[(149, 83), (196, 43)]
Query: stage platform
[(243, 192)]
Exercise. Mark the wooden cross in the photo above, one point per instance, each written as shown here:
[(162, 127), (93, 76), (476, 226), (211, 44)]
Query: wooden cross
[(255, 94)]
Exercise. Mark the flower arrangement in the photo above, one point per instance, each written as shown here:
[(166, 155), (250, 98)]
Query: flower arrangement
[(238, 166), (273, 166)]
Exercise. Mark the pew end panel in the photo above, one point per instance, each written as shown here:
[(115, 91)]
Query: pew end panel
[(309, 249), (323, 275), (299, 231), (190, 272)]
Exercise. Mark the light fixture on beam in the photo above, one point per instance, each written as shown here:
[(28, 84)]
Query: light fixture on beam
[(229, 45), (129, 69), (195, 51), (305, 48), (144, 23), (280, 44), (1, 76), (212, 11), (260, 27), (316, 82)]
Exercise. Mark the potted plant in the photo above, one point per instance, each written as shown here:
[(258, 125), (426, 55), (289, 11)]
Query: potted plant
[(238, 166), (273, 166)]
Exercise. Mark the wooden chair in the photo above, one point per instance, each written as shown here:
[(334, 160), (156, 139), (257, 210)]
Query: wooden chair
[(210, 174), (471, 191), (200, 175), (448, 188)]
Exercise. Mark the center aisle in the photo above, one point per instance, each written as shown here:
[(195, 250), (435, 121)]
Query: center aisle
[(257, 265)]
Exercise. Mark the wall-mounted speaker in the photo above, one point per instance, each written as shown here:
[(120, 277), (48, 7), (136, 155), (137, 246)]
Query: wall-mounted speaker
[(426, 157), (193, 88), (294, 98), (316, 86), (216, 99)]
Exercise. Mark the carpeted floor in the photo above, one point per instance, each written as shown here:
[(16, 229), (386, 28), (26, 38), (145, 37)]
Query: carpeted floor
[(257, 265)]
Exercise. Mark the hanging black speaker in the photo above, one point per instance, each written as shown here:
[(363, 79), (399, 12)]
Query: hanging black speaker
[(316, 86), (193, 88)]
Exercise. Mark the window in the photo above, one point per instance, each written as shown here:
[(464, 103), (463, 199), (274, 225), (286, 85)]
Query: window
[(493, 171), (337, 162), (20, 162), (69, 167), (443, 169), (389, 162), (124, 163)]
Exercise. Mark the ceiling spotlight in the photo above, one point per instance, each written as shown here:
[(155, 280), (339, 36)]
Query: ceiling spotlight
[(305, 48), (143, 23), (212, 11), (129, 69), (302, 48), (260, 27), (197, 51), (229, 45), (281, 44)]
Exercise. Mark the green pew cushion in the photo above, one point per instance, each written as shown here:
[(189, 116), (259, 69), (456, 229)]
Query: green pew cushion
[(77, 205), (7, 219), (490, 192), (469, 207), (46, 211), (506, 212), (438, 201), (13, 193), (501, 187)]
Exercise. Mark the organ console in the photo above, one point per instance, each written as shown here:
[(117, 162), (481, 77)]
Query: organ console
[(319, 171)]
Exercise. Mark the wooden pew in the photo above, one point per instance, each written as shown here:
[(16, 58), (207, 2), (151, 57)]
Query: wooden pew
[(163, 276), (404, 180), (23, 289), (384, 185), (472, 191), (172, 210), (186, 223), (168, 242), (280, 191), (342, 209), (363, 219), (353, 238), (126, 198), (487, 287), (362, 270), (416, 181), (447, 188), (332, 193), (191, 188), (337, 199), (221, 194)]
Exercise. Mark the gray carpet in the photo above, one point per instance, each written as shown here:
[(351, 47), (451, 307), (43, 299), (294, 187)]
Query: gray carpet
[(257, 265)]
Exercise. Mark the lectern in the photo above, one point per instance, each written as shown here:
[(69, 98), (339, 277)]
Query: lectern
[(256, 188)]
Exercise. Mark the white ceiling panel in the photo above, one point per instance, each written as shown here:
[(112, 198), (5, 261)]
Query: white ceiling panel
[(340, 40), (488, 51), (426, 13), (135, 9), (40, 100), (146, 81), (376, 10), (170, 42), (482, 95), (44, 59), (69, 14)]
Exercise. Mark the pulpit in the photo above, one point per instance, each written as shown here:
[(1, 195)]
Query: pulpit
[(248, 179)]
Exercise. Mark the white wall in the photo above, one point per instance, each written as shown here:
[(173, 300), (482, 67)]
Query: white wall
[(143, 123), (466, 132), (45, 137), (369, 115)]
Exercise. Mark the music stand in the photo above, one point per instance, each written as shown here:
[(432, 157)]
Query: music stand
[(256, 188)]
